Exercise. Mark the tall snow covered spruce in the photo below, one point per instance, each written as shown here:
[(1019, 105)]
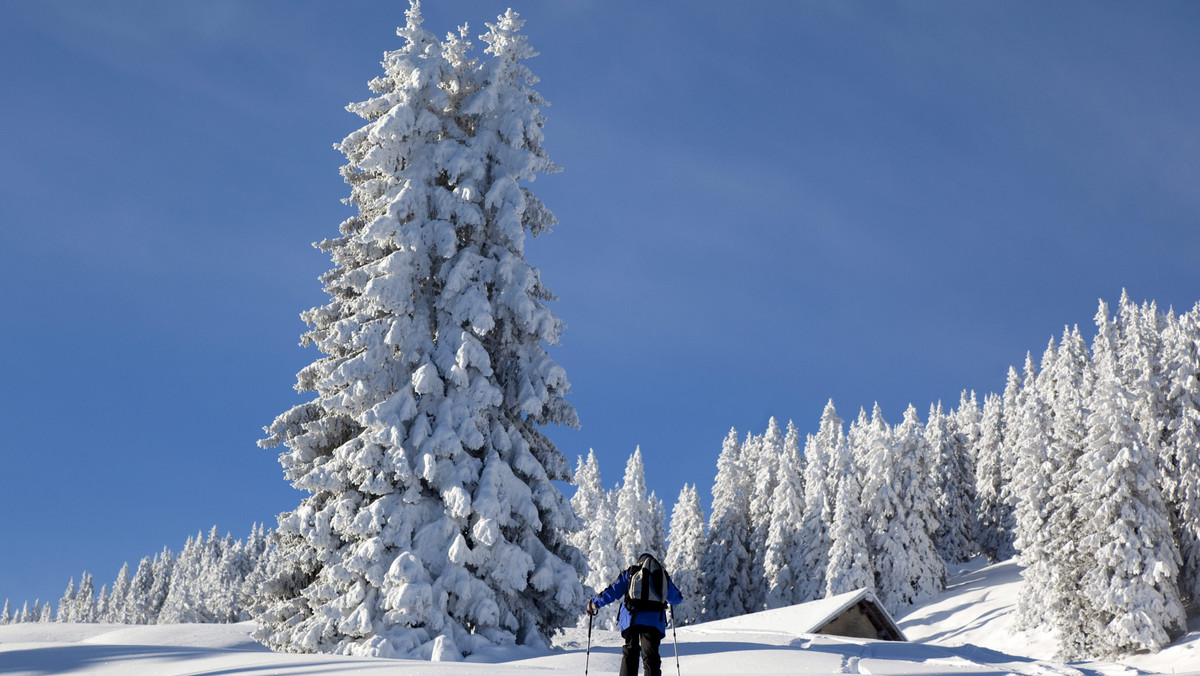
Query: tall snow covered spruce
[(849, 564), (685, 552), (639, 528), (1132, 585), (763, 456), (596, 538), (908, 568), (787, 516), (1181, 451), (431, 527), (810, 559), (726, 561)]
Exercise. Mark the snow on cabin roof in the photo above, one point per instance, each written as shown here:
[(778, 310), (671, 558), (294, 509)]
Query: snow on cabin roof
[(841, 615)]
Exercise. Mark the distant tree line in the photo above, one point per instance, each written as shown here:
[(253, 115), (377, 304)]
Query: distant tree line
[(211, 579), (1086, 468)]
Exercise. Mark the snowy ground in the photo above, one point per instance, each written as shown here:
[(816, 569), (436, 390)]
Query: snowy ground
[(966, 631), (978, 609)]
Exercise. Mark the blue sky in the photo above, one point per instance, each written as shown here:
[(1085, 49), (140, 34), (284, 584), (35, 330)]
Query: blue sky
[(763, 207)]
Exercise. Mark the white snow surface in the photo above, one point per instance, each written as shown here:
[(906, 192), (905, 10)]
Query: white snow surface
[(965, 630)]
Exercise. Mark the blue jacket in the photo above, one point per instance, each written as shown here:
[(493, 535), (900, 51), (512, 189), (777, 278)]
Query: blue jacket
[(641, 618)]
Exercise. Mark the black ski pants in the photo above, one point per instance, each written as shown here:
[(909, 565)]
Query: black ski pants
[(643, 641)]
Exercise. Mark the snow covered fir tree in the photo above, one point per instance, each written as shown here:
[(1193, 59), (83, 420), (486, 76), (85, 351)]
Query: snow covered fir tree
[(431, 527)]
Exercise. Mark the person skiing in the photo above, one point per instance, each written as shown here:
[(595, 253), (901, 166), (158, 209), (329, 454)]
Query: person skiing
[(646, 590)]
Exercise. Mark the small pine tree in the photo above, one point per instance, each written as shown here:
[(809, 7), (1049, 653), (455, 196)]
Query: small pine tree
[(951, 479), (928, 569), (849, 566), (907, 567), (102, 600), (1034, 487), (139, 592), (1133, 584), (812, 556), (994, 541), (85, 600), (117, 608), (658, 524), (185, 598), (1011, 411), (1141, 368), (685, 552), (763, 460), (1181, 450), (596, 537), (162, 574), (223, 578), (262, 549), (1066, 383), (787, 516), (726, 560), (635, 518), (66, 605)]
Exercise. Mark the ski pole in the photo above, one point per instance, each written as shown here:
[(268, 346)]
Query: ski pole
[(588, 655), (674, 640)]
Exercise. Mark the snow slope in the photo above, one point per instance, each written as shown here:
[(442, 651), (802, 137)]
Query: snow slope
[(963, 631), (979, 607)]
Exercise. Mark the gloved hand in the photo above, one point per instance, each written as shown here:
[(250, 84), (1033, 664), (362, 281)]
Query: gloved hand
[(592, 609)]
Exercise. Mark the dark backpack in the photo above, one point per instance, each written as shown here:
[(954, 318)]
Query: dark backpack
[(647, 585)]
